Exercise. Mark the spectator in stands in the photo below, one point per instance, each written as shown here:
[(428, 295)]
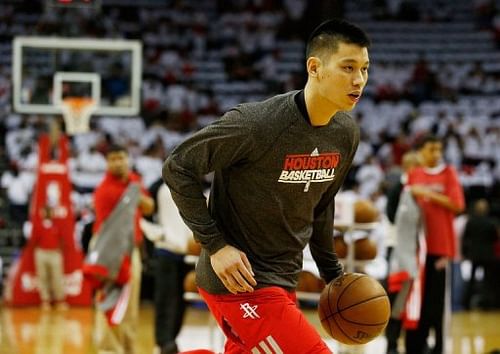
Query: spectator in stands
[(423, 83), (400, 147), (369, 177), (116, 85), (18, 185)]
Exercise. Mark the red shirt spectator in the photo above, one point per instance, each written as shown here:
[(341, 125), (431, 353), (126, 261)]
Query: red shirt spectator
[(438, 221), (46, 235), (107, 195)]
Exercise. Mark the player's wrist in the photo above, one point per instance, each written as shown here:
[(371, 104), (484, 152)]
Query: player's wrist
[(214, 245), (338, 272)]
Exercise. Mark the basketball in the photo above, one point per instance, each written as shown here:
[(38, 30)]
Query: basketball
[(340, 246), (354, 308), (365, 211), (193, 248), (310, 283), (190, 282), (365, 249)]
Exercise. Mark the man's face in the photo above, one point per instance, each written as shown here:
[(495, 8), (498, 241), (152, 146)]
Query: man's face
[(431, 153), (118, 163), (342, 76)]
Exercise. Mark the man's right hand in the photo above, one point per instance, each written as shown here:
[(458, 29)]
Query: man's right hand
[(234, 270), (419, 190)]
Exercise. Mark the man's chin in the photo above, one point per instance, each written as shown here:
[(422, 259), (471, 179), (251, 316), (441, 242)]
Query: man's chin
[(350, 107)]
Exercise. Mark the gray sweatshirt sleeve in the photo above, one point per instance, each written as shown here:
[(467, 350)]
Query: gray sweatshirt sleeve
[(321, 245), (321, 242), (218, 146)]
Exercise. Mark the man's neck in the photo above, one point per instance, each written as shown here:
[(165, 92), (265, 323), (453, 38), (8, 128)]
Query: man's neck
[(122, 178), (320, 110)]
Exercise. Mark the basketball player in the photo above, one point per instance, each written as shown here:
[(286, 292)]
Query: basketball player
[(278, 165), (439, 194)]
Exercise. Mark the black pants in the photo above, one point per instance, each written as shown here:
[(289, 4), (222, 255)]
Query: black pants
[(393, 329), (169, 299), (488, 284), (432, 312)]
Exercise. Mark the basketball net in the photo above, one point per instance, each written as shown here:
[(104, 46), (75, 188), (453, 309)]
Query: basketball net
[(76, 113)]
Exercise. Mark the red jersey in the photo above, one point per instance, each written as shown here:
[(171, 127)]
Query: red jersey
[(108, 194), (46, 235), (438, 221)]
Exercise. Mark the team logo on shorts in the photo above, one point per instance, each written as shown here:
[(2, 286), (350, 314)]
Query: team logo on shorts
[(249, 311), (312, 168)]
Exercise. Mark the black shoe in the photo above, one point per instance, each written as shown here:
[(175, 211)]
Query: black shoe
[(169, 348), (392, 351)]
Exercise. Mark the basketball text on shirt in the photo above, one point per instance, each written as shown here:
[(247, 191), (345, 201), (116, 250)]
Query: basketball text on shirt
[(307, 168)]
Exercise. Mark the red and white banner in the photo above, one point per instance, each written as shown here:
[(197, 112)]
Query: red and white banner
[(53, 187)]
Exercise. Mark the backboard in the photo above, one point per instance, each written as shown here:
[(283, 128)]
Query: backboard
[(48, 69)]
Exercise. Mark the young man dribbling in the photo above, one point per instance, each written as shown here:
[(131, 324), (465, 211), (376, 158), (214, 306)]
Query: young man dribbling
[(278, 165)]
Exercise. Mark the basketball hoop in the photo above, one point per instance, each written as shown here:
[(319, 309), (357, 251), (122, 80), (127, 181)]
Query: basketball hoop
[(76, 113)]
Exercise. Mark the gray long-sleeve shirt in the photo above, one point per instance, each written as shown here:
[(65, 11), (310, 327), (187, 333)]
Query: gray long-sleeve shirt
[(274, 183)]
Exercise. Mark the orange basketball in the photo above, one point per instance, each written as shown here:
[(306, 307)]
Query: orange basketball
[(354, 308), (365, 211), (310, 283), (340, 246), (194, 248), (365, 249), (190, 282)]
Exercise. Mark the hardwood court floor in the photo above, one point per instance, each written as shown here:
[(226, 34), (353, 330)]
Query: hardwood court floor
[(31, 331)]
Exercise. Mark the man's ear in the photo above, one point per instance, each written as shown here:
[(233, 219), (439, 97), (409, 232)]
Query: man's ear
[(313, 65)]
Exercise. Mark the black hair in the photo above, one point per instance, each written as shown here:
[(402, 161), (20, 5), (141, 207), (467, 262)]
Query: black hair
[(116, 148), (428, 138), (329, 33)]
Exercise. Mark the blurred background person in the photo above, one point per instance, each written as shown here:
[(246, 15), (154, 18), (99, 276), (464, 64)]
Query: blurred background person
[(408, 161), (172, 239), (49, 261), (439, 194), (478, 245), (121, 338)]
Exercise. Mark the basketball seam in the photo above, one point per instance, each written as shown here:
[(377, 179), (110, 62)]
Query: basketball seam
[(329, 298), (339, 297), (339, 311), (329, 308), (361, 302), (332, 315), (342, 330), (344, 290), (348, 307), (364, 301)]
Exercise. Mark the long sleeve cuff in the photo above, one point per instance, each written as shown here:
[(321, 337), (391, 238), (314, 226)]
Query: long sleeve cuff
[(333, 272), (214, 245)]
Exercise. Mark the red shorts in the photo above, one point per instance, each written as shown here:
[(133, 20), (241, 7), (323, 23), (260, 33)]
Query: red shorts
[(265, 321)]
